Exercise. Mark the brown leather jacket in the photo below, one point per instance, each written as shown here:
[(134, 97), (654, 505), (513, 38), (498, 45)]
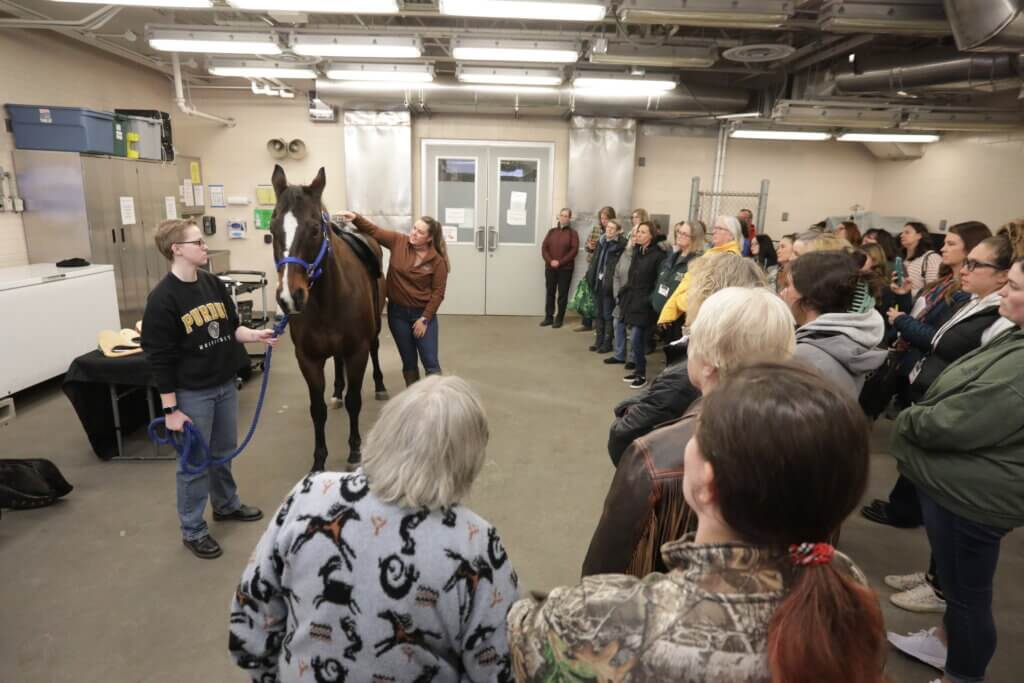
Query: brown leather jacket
[(645, 507)]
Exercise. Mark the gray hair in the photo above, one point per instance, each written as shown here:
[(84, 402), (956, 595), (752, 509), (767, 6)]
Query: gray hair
[(742, 325), (428, 444), (716, 271), (733, 224)]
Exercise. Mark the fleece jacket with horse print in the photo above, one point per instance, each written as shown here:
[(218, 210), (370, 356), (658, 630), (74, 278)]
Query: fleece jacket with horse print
[(343, 587)]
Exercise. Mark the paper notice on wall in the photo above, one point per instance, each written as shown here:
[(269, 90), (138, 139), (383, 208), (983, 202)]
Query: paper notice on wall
[(171, 207), (454, 216), (515, 217), (127, 210), (518, 201), (467, 218), (188, 197), (193, 172), (265, 195), (451, 234), (217, 196), (200, 199)]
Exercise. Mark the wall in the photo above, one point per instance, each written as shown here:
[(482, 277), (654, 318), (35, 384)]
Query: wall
[(45, 68), (961, 178)]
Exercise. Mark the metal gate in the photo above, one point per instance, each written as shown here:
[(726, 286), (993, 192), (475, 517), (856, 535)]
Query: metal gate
[(705, 206)]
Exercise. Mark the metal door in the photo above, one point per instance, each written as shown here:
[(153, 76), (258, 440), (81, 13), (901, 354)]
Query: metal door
[(158, 192), (130, 230), (494, 200), (99, 185)]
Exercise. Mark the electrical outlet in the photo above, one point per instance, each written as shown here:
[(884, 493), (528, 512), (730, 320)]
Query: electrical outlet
[(785, 216), (641, 162), (942, 225)]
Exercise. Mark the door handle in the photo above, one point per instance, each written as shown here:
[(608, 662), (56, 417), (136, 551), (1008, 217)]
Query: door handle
[(478, 238), (113, 235), (122, 235), (492, 238)]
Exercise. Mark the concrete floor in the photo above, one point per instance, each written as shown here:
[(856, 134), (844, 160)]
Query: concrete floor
[(99, 588)]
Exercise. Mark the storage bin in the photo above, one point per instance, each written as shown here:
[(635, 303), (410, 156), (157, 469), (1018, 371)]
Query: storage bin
[(120, 136), (166, 141), (148, 131), (62, 129)]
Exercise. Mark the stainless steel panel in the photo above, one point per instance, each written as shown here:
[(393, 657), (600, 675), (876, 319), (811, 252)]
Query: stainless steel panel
[(379, 145), (601, 163), (220, 261), (133, 258), (157, 181), (55, 220), (103, 217)]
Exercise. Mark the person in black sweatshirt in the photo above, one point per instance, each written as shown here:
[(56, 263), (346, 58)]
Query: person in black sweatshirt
[(190, 330)]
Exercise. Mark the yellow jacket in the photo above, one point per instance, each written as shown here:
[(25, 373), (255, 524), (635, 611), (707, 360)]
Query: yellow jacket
[(675, 307)]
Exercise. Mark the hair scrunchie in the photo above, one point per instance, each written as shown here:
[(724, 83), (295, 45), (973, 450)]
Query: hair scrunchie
[(811, 554)]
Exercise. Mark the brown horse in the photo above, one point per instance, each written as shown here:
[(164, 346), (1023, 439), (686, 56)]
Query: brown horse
[(334, 309)]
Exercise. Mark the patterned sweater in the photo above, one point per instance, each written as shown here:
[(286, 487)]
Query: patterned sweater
[(345, 587), (706, 620)]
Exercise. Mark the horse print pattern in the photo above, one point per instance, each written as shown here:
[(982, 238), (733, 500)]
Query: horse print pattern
[(343, 587)]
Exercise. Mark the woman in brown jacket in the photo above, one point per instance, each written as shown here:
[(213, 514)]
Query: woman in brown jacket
[(417, 276)]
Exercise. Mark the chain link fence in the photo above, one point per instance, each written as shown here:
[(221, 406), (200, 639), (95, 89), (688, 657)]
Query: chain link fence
[(704, 206)]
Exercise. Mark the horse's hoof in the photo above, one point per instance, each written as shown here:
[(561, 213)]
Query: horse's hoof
[(382, 396), (336, 402)]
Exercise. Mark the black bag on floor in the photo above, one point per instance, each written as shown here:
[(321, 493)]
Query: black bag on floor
[(31, 483)]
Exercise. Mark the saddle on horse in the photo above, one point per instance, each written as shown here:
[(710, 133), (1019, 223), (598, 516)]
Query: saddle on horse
[(357, 243)]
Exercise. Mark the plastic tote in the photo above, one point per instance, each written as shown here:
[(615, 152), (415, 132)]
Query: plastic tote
[(62, 129), (148, 131), (120, 136)]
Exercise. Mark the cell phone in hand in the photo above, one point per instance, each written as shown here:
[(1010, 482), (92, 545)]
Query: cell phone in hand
[(900, 271)]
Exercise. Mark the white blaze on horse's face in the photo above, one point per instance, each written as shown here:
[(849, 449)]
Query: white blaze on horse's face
[(290, 224)]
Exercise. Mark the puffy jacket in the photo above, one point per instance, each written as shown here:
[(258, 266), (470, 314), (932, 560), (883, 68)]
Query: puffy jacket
[(675, 307), (666, 399), (963, 444), (645, 508), (843, 346), (673, 268), (606, 257), (635, 296)]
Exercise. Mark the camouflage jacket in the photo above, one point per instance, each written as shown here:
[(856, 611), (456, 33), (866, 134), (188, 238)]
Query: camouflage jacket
[(706, 620)]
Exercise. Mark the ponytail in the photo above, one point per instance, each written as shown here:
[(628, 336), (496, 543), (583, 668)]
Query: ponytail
[(828, 628), (437, 236)]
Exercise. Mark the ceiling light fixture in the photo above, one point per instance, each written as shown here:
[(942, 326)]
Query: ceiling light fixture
[(213, 42), (507, 76), (619, 85), (477, 49), (342, 87), (182, 4), (750, 134), (888, 137), (963, 121), (668, 57), (511, 89), (525, 9), (846, 16), (708, 13), (357, 46), (258, 69), (400, 73), (320, 6)]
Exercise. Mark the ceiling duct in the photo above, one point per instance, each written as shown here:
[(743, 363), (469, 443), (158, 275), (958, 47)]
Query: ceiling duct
[(909, 17), (987, 73), (987, 25)]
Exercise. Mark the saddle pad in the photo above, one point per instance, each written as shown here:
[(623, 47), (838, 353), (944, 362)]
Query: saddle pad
[(361, 249), (113, 345)]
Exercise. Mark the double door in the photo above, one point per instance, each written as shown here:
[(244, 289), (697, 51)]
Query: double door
[(494, 200)]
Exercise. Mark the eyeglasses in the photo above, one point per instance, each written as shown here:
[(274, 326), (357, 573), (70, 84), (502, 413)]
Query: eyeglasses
[(719, 228), (199, 242), (971, 264)]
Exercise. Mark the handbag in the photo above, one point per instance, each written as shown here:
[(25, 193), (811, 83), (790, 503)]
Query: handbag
[(583, 300), (31, 483)]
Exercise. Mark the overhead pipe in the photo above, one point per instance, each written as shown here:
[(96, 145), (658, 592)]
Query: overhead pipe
[(958, 69), (92, 22), (987, 25), (185, 107)]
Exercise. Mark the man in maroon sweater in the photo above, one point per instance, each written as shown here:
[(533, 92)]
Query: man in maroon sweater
[(559, 252)]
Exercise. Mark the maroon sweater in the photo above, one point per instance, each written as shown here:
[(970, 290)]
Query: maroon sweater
[(561, 244)]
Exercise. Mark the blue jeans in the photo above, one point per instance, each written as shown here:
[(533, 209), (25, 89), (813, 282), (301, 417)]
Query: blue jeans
[(966, 554), (638, 340), (619, 352), (214, 412), (400, 322)]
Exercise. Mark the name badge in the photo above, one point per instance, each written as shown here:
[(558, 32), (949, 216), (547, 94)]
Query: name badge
[(663, 290), (600, 276)]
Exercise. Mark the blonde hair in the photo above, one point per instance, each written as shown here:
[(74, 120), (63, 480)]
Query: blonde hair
[(818, 241), (718, 270), (428, 444), (742, 325), (1014, 231), (170, 231)]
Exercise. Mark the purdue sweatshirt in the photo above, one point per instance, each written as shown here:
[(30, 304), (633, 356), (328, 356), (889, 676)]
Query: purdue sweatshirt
[(188, 333)]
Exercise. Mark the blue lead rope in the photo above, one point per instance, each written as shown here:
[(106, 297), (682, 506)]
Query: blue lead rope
[(192, 440)]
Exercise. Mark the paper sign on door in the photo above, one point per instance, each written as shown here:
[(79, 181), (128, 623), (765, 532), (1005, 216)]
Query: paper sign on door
[(515, 217), (127, 210), (518, 201), (171, 207), (454, 216)]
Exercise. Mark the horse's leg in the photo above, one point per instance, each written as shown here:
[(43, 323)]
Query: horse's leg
[(313, 372), (380, 392), (355, 368), (339, 381)]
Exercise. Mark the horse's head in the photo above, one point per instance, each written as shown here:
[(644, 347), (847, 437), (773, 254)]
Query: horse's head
[(297, 230)]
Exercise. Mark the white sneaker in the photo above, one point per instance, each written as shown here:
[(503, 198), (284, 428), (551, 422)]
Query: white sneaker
[(920, 599), (904, 582), (923, 645)]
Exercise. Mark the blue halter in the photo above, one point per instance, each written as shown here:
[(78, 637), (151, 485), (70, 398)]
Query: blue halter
[(313, 270)]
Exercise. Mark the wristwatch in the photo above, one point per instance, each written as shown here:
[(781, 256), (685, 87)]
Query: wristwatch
[(170, 409)]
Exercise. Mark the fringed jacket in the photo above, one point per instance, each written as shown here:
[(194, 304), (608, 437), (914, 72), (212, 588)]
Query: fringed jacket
[(644, 508)]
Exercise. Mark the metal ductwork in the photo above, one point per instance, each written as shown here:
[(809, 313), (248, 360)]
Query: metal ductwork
[(986, 73), (987, 25), (450, 98)]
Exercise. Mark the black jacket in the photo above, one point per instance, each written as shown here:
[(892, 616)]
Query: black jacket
[(612, 251), (672, 270), (668, 397), (635, 298), (956, 342)]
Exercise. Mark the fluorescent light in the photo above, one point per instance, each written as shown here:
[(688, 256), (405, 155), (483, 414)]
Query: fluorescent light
[(401, 73), (888, 137), (320, 6), (670, 57), (525, 9), (746, 134), (360, 47), (918, 18), (766, 14), (512, 89), (514, 51), (499, 76), (594, 85), (324, 86), (258, 69), (740, 115), (214, 42), (184, 4), (963, 121)]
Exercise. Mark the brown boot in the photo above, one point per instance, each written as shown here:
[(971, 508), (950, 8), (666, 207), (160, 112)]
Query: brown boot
[(411, 377)]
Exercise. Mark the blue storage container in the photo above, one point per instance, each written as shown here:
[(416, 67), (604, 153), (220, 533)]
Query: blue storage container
[(62, 129)]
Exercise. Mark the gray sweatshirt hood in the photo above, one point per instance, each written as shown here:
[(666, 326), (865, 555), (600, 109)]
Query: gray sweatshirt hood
[(851, 339)]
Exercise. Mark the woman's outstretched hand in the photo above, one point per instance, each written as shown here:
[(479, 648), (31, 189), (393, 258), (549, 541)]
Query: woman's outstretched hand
[(348, 216)]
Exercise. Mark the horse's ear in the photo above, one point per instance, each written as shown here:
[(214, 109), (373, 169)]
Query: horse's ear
[(279, 180), (317, 186)]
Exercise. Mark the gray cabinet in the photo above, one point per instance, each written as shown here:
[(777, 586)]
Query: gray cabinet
[(73, 207)]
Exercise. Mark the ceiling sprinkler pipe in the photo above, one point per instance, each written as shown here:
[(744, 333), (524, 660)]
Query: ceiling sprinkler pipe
[(185, 107)]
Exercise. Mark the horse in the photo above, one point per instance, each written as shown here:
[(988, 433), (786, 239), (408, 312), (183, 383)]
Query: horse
[(333, 303)]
